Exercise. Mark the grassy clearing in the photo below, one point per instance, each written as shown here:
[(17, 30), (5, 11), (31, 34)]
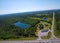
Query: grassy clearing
[(46, 37), (46, 25), (28, 38), (23, 38)]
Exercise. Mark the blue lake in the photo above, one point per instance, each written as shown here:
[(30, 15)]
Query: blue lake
[(22, 25)]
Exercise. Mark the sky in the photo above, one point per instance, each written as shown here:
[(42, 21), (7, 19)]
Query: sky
[(18, 6)]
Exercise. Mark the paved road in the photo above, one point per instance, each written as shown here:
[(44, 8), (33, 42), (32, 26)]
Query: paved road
[(33, 41), (52, 28), (19, 41)]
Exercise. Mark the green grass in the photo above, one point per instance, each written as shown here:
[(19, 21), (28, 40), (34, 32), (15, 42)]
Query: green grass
[(46, 37), (28, 38), (46, 23), (55, 29), (23, 38)]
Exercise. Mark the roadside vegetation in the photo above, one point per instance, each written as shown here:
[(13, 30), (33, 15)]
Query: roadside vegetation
[(57, 25)]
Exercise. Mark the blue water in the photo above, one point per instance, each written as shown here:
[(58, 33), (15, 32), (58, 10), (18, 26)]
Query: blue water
[(22, 25)]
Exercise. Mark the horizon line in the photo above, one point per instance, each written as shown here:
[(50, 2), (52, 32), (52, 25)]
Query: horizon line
[(29, 11)]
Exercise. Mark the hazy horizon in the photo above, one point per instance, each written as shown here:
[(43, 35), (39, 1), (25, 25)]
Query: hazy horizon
[(18, 6)]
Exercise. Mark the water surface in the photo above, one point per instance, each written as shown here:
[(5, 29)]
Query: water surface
[(22, 25)]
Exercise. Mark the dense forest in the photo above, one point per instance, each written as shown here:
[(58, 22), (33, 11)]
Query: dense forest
[(10, 31)]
